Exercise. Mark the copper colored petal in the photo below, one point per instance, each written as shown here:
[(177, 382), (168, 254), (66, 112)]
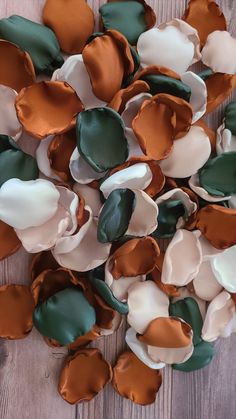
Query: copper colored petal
[(135, 257), (72, 22), (218, 225), (167, 332), (59, 153), (210, 133), (92, 335), (84, 375), (108, 60), (9, 242), (41, 262), (104, 313), (16, 311), (17, 69), (158, 70), (206, 17), (134, 380), (169, 290), (48, 108), (124, 95), (219, 87), (191, 221)]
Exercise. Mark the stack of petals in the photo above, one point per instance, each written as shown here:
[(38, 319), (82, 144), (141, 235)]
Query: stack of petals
[(124, 159)]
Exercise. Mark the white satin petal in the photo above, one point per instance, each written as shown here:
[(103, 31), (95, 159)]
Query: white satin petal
[(198, 98), (9, 124), (80, 169), (224, 268), (219, 52), (75, 74), (146, 302), (205, 283), (174, 45), (64, 222), (43, 160), (26, 204), (182, 259), (188, 155), (225, 140), (200, 191), (91, 197), (144, 218), (170, 355), (220, 312)]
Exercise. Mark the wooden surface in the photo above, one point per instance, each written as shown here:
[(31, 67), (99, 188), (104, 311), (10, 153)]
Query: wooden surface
[(29, 369)]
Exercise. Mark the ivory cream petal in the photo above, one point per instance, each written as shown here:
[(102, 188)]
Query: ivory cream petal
[(26, 204), (198, 98), (81, 171), (9, 124), (205, 283), (183, 245), (134, 147), (170, 355), (75, 74), (64, 222), (139, 224), (208, 251), (188, 155), (43, 160), (137, 176), (146, 302), (91, 197), (219, 52), (225, 140), (224, 268), (140, 350), (132, 107), (220, 312), (200, 191)]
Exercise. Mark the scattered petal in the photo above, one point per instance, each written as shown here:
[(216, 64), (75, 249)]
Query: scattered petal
[(198, 98), (223, 266), (194, 184), (219, 52), (206, 285), (219, 87), (123, 96)]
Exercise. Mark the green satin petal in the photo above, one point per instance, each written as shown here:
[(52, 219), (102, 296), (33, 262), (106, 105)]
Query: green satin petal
[(188, 310), (168, 216), (14, 163), (205, 74), (115, 215), (230, 117), (201, 357), (218, 176), (108, 296), (38, 40), (169, 85), (127, 17), (65, 316), (100, 138)]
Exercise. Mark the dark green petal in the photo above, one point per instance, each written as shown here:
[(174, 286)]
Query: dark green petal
[(127, 17), (65, 316), (230, 117), (108, 296), (168, 216), (218, 176), (115, 216), (201, 357), (169, 85), (205, 74), (38, 40), (14, 163), (188, 310), (100, 138)]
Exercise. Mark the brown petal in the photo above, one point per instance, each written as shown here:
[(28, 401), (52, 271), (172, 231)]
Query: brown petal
[(158, 70), (9, 242), (104, 313), (135, 257), (218, 225), (210, 133), (191, 222), (92, 335), (167, 332), (47, 108), (219, 87), (124, 95), (59, 153), (84, 375), (16, 311), (17, 69), (72, 21), (206, 17), (134, 380), (41, 262), (108, 59)]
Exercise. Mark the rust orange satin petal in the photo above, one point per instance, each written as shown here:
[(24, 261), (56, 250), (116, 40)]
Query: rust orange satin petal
[(135, 257), (190, 224), (16, 311), (48, 108), (158, 70), (219, 87), (16, 69), (72, 22), (206, 17), (169, 290), (124, 47), (210, 133), (9, 242), (134, 380), (167, 332), (59, 153), (84, 375), (104, 313), (41, 262), (218, 225), (124, 95), (89, 337)]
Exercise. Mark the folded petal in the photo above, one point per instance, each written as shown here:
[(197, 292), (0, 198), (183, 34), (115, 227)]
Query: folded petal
[(194, 184), (139, 225), (219, 52), (81, 171), (78, 382), (43, 162), (226, 141), (9, 124), (198, 98), (53, 102), (123, 96), (223, 266), (60, 150), (91, 197)]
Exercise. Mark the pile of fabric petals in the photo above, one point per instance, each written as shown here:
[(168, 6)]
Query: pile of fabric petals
[(124, 159)]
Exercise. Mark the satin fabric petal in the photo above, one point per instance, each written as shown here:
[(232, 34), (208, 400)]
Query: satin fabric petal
[(226, 141), (138, 225), (205, 283), (81, 171), (60, 150), (9, 124), (199, 190), (219, 87), (219, 52), (91, 197), (198, 98), (123, 96), (9, 242), (223, 266)]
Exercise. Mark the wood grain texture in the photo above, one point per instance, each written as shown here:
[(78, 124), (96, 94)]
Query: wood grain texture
[(29, 369)]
